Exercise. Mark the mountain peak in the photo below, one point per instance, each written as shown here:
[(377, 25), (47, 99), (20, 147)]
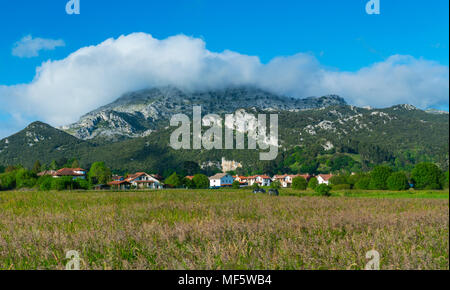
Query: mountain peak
[(138, 114)]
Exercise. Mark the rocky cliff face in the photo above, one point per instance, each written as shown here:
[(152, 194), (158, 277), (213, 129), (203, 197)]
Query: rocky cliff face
[(138, 114)]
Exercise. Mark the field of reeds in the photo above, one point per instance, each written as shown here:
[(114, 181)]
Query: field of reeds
[(224, 229)]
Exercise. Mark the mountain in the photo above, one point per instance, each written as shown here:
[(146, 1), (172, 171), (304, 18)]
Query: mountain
[(39, 141), (138, 114), (316, 134)]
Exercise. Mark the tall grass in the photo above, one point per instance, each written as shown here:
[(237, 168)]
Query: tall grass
[(179, 229)]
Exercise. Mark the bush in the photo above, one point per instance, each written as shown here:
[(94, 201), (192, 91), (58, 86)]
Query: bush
[(255, 186), (201, 181), (398, 181), (427, 176), (45, 183), (275, 185), (342, 187), (8, 180), (188, 183), (379, 177), (81, 184), (445, 179), (173, 181), (236, 185), (313, 183), (323, 190), (338, 179), (363, 183), (25, 178), (62, 183), (299, 183)]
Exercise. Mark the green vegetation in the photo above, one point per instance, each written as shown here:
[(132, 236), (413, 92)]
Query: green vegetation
[(398, 181), (323, 190), (299, 183), (201, 181), (427, 176)]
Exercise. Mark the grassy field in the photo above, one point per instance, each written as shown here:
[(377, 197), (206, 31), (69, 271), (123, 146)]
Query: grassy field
[(223, 229)]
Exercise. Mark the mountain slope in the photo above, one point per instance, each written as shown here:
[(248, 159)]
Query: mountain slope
[(39, 141), (401, 135), (138, 114)]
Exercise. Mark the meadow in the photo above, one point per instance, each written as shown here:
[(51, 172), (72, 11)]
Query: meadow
[(224, 229)]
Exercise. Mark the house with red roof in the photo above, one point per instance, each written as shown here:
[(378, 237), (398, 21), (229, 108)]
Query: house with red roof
[(261, 180), (143, 180), (75, 173), (324, 178)]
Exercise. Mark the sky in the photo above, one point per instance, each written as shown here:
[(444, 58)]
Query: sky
[(55, 67)]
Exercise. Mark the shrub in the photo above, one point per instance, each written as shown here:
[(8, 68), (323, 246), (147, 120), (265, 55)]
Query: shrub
[(342, 187), (201, 181), (25, 178), (323, 190), (255, 186), (45, 183), (81, 184), (188, 183), (313, 183), (275, 185), (173, 180), (236, 185), (62, 183), (379, 177), (338, 179), (398, 181), (363, 183), (427, 176), (8, 180), (299, 183)]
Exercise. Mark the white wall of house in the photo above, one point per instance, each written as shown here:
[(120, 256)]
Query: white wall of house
[(320, 180)]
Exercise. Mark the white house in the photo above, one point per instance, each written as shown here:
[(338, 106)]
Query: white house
[(144, 180), (286, 180), (262, 180), (221, 180), (324, 178)]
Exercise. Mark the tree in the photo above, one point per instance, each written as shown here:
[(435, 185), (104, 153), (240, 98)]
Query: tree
[(338, 179), (445, 182), (201, 181), (275, 185), (191, 168), (188, 183), (45, 183), (323, 190), (75, 164), (53, 165), (236, 185), (2, 169), (25, 178), (299, 183), (313, 183), (173, 181), (37, 167), (363, 183), (62, 183), (99, 173), (426, 176), (8, 180), (398, 181), (379, 177)]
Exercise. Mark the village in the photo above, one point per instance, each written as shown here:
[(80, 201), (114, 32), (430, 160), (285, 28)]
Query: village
[(143, 180)]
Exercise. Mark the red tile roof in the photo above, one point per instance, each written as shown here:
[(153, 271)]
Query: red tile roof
[(68, 172)]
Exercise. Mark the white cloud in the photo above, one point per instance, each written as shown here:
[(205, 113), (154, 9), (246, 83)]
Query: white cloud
[(64, 90), (29, 47)]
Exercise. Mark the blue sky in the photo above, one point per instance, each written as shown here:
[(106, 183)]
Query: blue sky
[(340, 35)]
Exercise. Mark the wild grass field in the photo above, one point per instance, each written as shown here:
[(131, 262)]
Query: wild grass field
[(223, 229)]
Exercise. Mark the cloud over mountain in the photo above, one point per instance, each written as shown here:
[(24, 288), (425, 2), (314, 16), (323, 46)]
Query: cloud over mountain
[(63, 90)]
